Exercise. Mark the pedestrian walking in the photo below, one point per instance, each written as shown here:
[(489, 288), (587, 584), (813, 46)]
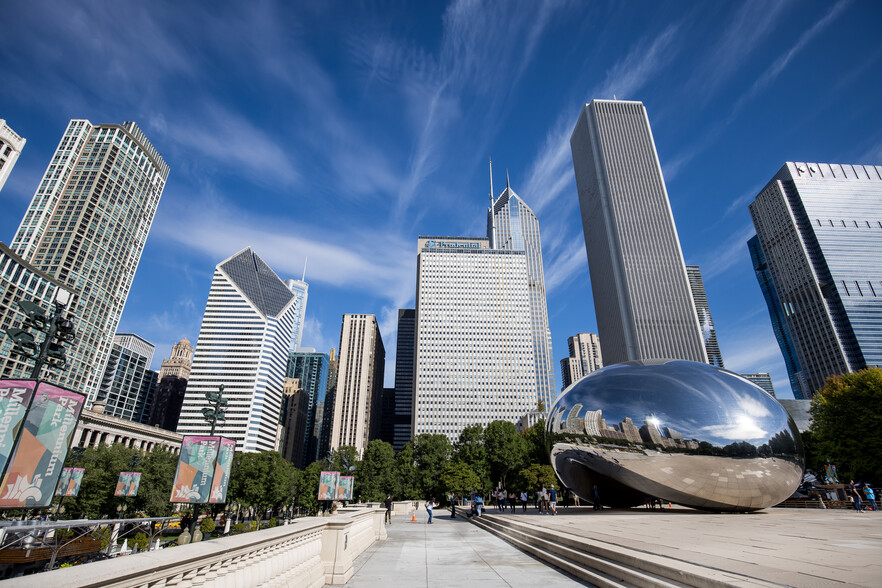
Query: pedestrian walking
[(524, 500), (388, 504), (596, 499), (552, 500), (501, 494), (512, 500), (870, 496), (855, 497), (430, 504)]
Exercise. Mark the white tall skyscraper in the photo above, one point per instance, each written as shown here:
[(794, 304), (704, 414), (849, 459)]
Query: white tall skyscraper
[(474, 358), (243, 344), (360, 370), (300, 289), (86, 227), (642, 299), (512, 225), (11, 144)]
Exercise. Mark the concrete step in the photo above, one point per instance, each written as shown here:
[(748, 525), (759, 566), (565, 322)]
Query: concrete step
[(611, 565)]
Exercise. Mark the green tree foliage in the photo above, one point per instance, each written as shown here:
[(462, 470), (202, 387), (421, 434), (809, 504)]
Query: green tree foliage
[(263, 480), (343, 458), (538, 443), (375, 474), (459, 478), (307, 488), (157, 476), (533, 477), (406, 475), (506, 451), (431, 452), (847, 426), (470, 450), (103, 465)]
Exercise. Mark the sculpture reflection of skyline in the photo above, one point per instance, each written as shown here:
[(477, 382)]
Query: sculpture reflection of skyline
[(594, 425)]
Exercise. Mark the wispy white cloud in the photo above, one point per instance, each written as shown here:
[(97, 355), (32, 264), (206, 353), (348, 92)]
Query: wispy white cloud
[(719, 260), (566, 266), (317, 335)]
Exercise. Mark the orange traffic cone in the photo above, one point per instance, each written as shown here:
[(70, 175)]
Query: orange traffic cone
[(413, 517), (670, 505)]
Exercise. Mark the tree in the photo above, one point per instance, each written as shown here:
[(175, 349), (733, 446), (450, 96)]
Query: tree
[(157, 477), (847, 426), (535, 476), (506, 450), (470, 450), (538, 443), (431, 452), (102, 465), (459, 478), (262, 480), (375, 476), (307, 487), (406, 475)]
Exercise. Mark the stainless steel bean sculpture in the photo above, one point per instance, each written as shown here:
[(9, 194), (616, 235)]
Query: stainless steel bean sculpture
[(681, 431)]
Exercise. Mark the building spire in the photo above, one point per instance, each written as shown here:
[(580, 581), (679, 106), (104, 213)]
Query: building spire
[(507, 184), (303, 279), (491, 182), (492, 218)]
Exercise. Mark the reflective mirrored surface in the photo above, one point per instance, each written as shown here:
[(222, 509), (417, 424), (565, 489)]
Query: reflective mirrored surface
[(681, 431)]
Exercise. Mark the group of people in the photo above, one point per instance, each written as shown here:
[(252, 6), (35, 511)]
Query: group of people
[(855, 492), (500, 499)]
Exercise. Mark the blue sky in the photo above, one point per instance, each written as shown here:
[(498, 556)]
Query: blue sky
[(339, 131)]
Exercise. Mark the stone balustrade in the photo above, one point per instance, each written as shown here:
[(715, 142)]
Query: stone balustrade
[(310, 552)]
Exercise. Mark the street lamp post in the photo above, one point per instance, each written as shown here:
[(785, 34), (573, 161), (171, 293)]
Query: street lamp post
[(57, 330), (215, 412)]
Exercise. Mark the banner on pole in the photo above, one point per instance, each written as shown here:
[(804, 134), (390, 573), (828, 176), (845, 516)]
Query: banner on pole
[(38, 458), (15, 397), (344, 488), (128, 484), (222, 471), (195, 473), (328, 485), (71, 480)]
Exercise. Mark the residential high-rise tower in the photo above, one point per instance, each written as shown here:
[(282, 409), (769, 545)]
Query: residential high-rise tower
[(310, 368), (819, 227), (11, 144), (86, 227), (243, 344), (585, 357), (126, 385), (705, 320), (638, 277)]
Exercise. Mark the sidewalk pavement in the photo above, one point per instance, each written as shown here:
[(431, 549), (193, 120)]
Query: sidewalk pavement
[(790, 546), (449, 552)]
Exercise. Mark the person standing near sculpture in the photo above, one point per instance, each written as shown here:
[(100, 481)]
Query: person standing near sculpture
[(870, 496), (596, 497), (524, 500), (855, 497), (430, 504), (552, 500)]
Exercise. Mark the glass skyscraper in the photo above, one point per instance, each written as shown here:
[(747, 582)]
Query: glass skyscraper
[(638, 277), (311, 369), (300, 289), (819, 227), (402, 417), (243, 344), (512, 225), (86, 227), (705, 320), (779, 323), (126, 385)]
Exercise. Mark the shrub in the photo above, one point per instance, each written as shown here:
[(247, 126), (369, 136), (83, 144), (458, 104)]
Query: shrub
[(207, 526), (140, 541), (273, 522), (239, 528)]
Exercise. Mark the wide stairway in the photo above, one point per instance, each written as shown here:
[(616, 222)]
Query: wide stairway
[(605, 564)]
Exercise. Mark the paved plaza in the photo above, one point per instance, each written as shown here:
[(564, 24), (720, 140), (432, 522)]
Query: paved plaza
[(805, 548), (449, 553)]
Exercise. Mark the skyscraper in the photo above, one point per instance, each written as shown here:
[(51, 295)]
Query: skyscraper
[(359, 382), (328, 406), (641, 295), (402, 418), (762, 380), (126, 384), (311, 369), (180, 362), (585, 357), (474, 336), (300, 289), (705, 320), (512, 225), (243, 344), (11, 144), (798, 384), (819, 227), (292, 429), (86, 226)]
